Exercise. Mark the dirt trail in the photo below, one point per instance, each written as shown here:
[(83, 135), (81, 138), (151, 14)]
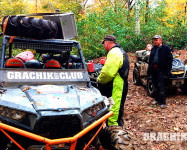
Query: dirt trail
[(143, 117)]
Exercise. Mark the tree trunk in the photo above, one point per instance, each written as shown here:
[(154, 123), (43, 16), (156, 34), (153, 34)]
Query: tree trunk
[(137, 17), (130, 4), (185, 12), (147, 11)]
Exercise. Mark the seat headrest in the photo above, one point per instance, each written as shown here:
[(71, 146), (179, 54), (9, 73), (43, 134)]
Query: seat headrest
[(33, 64), (52, 64), (45, 58), (14, 63)]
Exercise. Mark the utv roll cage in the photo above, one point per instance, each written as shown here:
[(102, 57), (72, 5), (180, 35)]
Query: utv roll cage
[(52, 46), (44, 46)]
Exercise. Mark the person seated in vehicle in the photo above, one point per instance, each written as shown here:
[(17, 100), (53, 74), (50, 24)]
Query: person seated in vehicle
[(145, 59), (146, 54)]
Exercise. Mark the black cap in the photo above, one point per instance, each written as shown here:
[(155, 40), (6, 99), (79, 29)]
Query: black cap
[(109, 38)]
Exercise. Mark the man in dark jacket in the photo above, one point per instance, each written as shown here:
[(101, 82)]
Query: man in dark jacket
[(160, 63)]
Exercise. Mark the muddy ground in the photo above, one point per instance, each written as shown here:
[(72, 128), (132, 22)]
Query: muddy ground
[(141, 116)]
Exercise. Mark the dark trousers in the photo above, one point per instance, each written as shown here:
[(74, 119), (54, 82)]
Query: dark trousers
[(121, 110), (158, 83)]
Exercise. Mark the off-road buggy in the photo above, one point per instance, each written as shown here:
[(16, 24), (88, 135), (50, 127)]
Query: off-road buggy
[(140, 77), (48, 102)]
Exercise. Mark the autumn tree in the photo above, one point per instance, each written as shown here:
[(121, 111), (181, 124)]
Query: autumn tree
[(137, 16), (117, 17), (147, 11), (13, 7)]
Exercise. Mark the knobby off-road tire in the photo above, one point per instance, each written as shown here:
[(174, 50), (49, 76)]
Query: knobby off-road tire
[(29, 27), (115, 138), (136, 77), (150, 87)]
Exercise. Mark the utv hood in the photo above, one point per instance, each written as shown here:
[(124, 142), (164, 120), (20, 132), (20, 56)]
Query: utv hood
[(36, 90), (50, 98)]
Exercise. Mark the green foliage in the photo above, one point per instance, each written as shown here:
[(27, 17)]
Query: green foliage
[(63, 6), (13, 7), (177, 38), (96, 25)]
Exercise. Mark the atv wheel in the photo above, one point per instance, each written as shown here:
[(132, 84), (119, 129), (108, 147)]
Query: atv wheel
[(136, 77), (115, 138), (150, 87)]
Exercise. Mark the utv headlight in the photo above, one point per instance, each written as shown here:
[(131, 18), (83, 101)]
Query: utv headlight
[(91, 112), (12, 113), (177, 72)]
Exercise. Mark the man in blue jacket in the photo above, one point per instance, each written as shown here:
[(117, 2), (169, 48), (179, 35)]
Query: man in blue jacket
[(160, 64)]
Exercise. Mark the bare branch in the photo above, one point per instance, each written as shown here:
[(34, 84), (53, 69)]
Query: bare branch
[(131, 4), (101, 3), (125, 3), (85, 1)]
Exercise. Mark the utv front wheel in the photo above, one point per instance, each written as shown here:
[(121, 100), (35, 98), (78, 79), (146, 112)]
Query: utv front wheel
[(115, 138), (136, 77), (150, 87)]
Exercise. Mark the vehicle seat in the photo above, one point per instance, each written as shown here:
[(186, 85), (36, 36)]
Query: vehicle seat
[(52, 64), (33, 64), (14, 63), (45, 58)]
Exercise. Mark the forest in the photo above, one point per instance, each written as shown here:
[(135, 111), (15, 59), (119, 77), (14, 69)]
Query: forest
[(133, 22)]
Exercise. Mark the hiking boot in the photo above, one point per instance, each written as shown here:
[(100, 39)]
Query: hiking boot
[(155, 102)]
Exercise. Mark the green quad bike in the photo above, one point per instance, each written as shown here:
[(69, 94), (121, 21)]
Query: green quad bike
[(47, 101), (140, 77)]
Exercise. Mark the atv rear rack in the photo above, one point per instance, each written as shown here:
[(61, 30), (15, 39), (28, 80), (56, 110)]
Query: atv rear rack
[(50, 142)]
